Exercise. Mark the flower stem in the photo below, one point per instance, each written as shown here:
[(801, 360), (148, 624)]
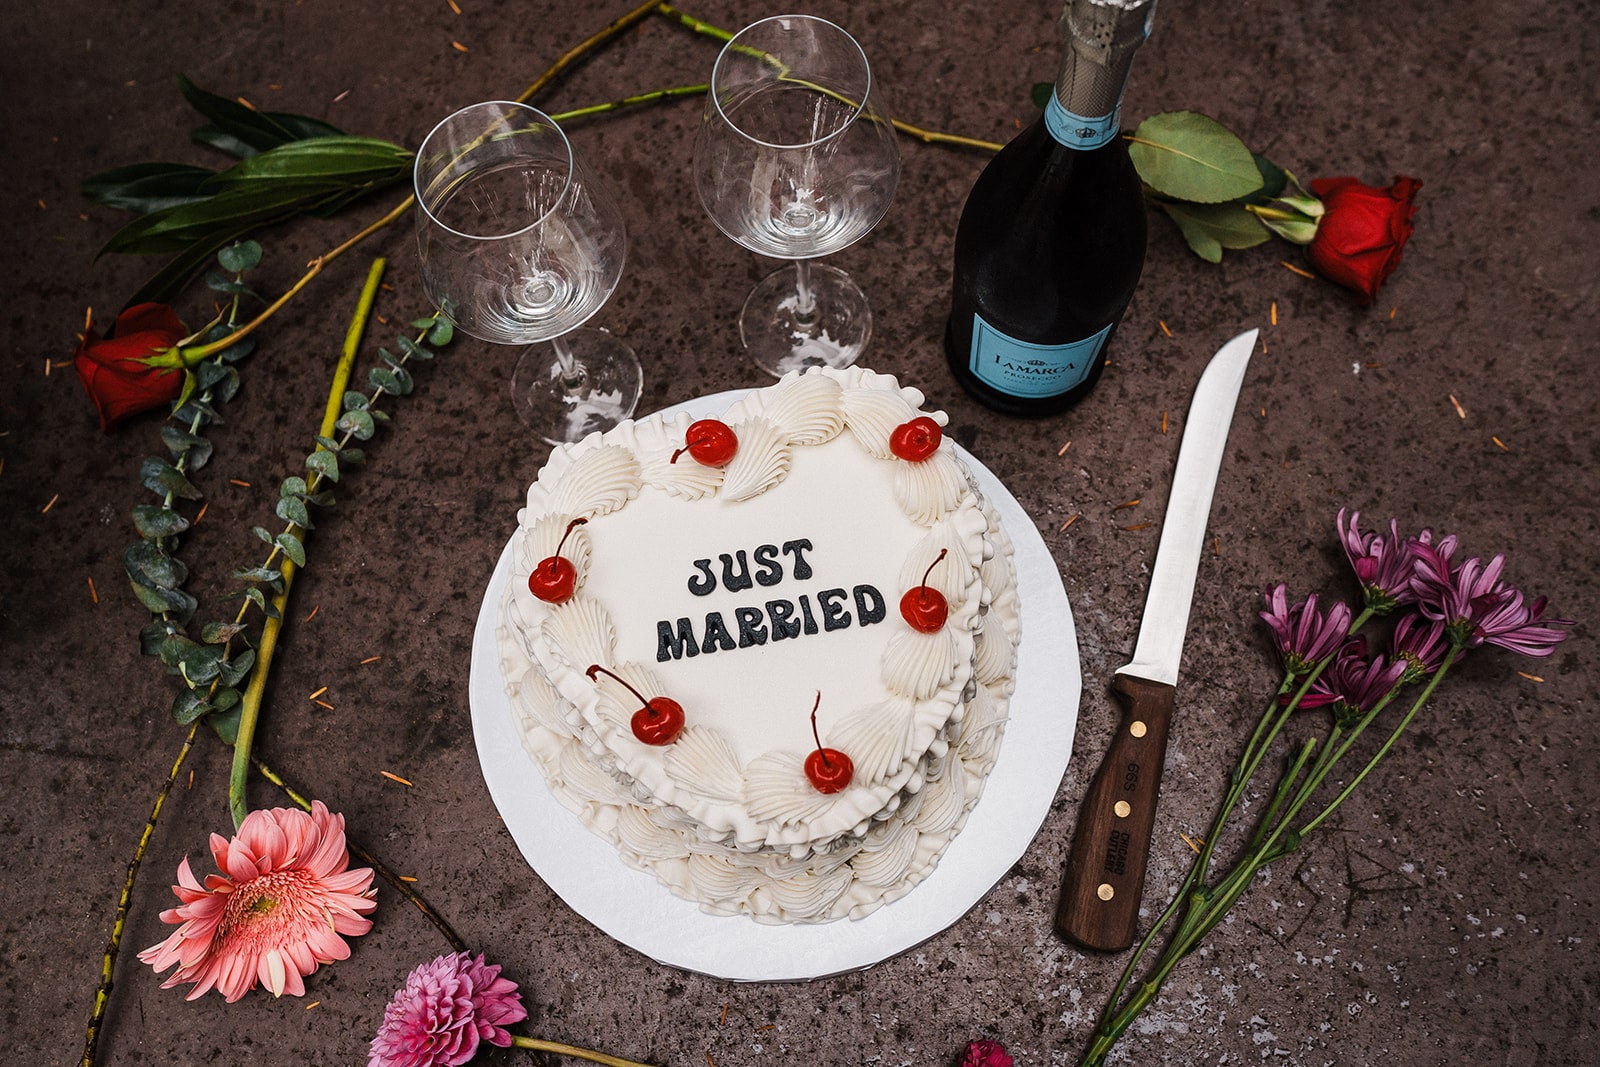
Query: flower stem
[(108, 964), (250, 705), (559, 1049), (638, 14), (416, 899)]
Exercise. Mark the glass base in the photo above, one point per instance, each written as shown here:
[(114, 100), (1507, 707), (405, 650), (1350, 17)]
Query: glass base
[(779, 338), (583, 382)]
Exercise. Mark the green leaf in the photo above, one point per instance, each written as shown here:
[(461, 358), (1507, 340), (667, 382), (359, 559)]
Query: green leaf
[(220, 633), (294, 485), (352, 455), (324, 463), (292, 547), (256, 130), (226, 723), (161, 478), (234, 670), (1210, 228), (147, 563), (387, 381), (349, 161), (257, 574), (172, 650), (1274, 179), (1189, 156), (184, 445), (441, 332), (147, 187), (354, 401), (359, 424), (203, 663), (240, 256), (218, 219), (155, 522), (151, 637), (190, 705), (293, 509), (163, 286), (414, 350)]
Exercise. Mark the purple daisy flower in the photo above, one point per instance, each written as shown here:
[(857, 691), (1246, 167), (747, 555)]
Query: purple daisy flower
[(1421, 643), (1353, 684), (1304, 635), (1477, 608)]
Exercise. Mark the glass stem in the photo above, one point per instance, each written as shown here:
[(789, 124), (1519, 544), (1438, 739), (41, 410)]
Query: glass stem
[(571, 371), (805, 302)]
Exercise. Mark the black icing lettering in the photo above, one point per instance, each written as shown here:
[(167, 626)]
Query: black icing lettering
[(670, 645), (751, 630), (870, 607), (834, 615), (717, 635), (810, 623), (732, 580), (784, 624), (768, 570), (699, 586), (801, 569)]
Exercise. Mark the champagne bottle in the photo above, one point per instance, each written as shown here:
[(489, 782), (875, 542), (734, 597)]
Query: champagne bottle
[(1052, 238)]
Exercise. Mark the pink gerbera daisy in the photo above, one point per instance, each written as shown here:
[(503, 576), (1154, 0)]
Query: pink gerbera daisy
[(284, 903)]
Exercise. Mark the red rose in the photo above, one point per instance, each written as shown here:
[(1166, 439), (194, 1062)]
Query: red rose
[(117, 372), (1362, 231)]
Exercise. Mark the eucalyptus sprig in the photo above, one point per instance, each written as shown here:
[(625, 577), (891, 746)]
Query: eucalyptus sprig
[(354, 416), (210, 676)]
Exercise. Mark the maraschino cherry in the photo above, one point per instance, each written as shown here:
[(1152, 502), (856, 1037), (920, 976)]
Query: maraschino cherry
[(659, 722), (923, 606), (916, 440), (554, 579), (828, 769), (709, 442)]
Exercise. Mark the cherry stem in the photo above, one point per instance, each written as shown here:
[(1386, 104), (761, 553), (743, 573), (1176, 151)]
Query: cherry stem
[(687, 444), (596, 668), (818, 737), (570, 526), (936, 561)]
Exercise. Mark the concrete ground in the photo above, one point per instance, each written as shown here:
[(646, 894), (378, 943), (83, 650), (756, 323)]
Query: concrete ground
[(1447, 915)]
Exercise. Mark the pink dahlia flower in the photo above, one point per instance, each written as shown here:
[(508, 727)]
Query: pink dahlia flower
[(443, 1011), (284, 903), (985, 1054)]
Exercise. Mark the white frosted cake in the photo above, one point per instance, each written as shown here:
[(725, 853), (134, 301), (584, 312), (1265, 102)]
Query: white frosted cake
[(768, 656)]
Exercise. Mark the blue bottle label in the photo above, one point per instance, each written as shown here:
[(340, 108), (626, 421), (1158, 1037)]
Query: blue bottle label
[(1082, 132), (1022, 369)]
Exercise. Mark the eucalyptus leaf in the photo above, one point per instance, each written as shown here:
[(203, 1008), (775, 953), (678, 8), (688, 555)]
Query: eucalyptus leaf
[(165, 601), (226, 697), (386, 381), (359, 424), (239, 256), (414, 350), (226, 724), (161, 477), (191, 448), (149, 564), (257, 574), (235, 669), (219, 282), (173, 648), (293, 509), (203, 663), (155, 522), (190, 705), (1189, 156), (294, 485), (354, 401), (324, 463), (442, 331), (220, 633), (151, 636), (292, 547), (323, 499)]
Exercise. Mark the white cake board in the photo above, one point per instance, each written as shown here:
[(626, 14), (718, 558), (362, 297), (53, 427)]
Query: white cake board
[(635, 909)]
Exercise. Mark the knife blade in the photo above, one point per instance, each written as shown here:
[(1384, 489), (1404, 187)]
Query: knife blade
[(1099, 905)]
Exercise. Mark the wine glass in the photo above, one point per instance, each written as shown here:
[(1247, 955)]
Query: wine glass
[(520, 246), (796, 158)]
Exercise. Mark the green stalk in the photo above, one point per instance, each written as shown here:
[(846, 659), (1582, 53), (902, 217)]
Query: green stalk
[(250, 705), (540, 1045)]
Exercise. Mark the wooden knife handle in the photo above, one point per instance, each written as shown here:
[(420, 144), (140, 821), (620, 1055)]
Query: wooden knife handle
[(1099, 906)]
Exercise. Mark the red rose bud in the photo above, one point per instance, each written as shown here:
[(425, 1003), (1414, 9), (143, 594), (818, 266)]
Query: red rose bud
[(115, 371), (1362, 231)]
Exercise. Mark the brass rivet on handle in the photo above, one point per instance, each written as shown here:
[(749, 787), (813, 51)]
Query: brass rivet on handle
[(1137, 728), (1104, 891), (1123, 809)]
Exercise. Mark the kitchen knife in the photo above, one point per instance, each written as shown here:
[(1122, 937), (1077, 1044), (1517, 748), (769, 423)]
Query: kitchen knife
[(1099, 906)]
